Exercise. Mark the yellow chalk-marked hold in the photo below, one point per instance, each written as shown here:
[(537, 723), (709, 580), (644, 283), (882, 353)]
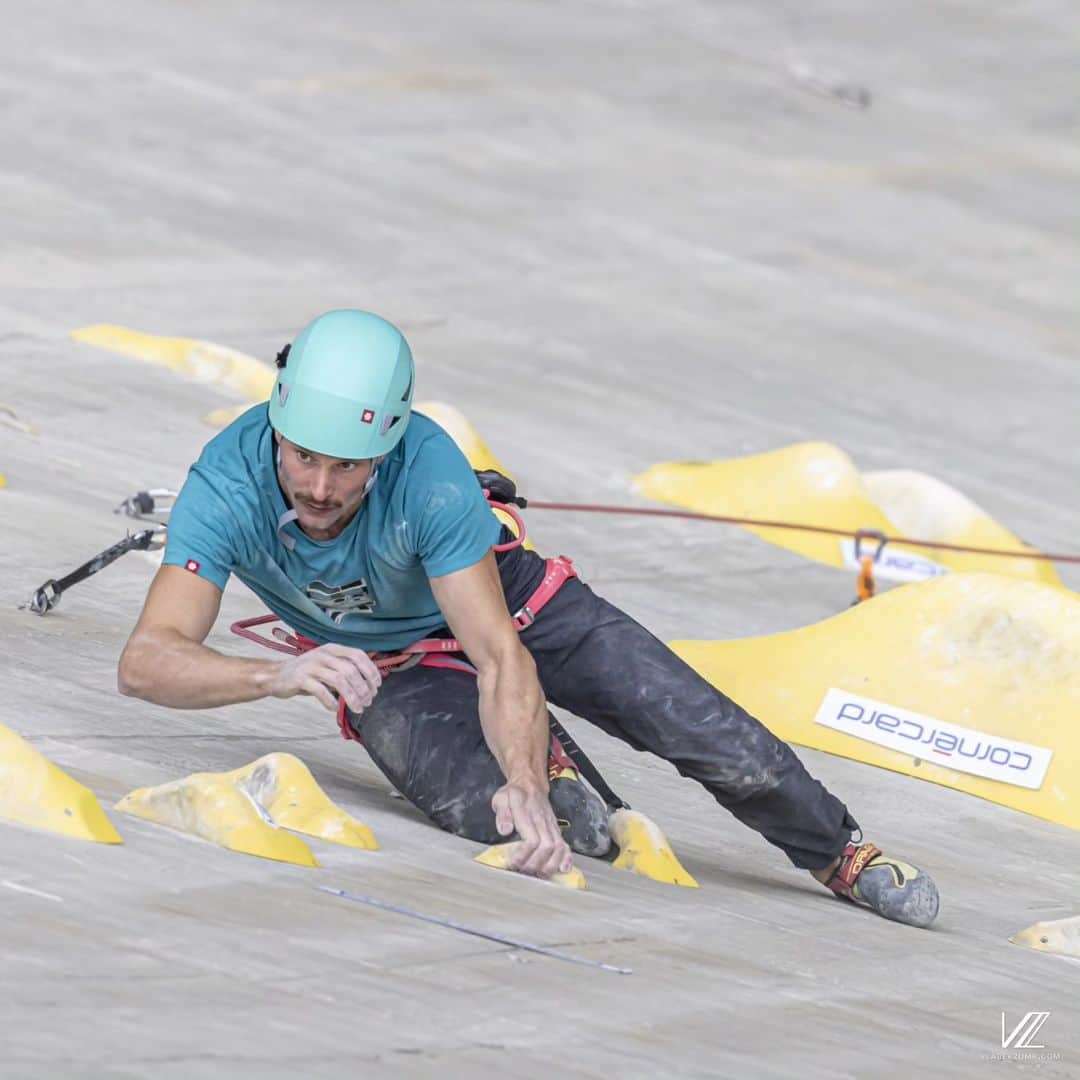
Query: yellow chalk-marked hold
[(283, 784), (3, 480), (500, 855), (1060, 936), (643, 849), (33, 791), (242, 810), (203, 360), (816, 483), (924, 507), (991, 654)]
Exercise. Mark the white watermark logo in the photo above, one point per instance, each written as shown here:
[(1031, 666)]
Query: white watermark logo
[(1018, 1043), (1021, 1035)]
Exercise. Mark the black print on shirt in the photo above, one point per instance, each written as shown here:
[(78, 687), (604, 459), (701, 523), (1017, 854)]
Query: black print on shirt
[(341, 600)]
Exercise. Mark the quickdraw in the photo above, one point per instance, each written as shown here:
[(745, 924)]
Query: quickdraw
[(866, 586), (45, 597)]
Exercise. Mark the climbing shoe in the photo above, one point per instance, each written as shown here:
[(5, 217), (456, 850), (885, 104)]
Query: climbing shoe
[(582, 817), (897, 890)]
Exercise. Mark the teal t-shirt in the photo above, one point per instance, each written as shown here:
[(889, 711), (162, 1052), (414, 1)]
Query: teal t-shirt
[(426, 516)]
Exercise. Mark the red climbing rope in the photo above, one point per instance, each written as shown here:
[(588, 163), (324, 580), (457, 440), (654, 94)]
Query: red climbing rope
[(825, 530)]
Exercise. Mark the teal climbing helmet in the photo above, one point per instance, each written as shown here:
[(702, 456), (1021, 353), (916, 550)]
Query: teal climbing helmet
[(345, 386)]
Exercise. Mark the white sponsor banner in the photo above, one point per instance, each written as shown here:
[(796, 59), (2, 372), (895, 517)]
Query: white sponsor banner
[(895, 564), (937, 741)]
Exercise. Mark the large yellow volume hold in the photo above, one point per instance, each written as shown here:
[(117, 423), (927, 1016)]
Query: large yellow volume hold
[(971, 681), (33, 791), (248, 810), (816, 483)]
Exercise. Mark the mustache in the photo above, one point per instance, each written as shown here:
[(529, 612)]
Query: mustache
[(301, 497)]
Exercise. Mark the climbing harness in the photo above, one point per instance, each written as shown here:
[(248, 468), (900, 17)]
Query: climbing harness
[(429, 652)]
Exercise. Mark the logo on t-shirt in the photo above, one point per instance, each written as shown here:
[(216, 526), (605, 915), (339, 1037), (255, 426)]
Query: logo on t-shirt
[(341, 600), (192, 565)]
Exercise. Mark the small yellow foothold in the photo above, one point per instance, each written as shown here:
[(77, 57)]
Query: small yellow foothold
[(1061, 936), (283, 784), (643, 849), (211, 806), (3, 481), (243, 810), (33, 791), (500, 855)]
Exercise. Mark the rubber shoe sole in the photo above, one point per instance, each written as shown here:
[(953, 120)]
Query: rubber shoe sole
[(898, 891), (582, 816)]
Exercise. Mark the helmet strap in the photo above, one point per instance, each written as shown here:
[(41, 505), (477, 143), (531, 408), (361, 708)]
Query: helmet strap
[(283, 536)]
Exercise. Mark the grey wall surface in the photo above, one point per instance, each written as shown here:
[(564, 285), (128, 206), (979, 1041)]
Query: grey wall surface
[(615, 233)]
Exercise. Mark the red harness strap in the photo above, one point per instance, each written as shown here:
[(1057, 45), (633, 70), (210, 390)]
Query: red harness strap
[(557, 573)]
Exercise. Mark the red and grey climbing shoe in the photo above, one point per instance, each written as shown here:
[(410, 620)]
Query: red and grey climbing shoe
[(897, 890)]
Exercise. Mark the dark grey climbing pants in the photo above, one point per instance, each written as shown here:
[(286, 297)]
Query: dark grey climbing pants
[(423, 730)]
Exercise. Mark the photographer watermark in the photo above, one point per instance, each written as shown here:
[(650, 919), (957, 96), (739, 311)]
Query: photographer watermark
[(1018, 1041)]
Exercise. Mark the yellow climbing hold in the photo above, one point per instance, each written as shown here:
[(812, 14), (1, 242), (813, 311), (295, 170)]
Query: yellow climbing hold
[(1060, 936), (33, 791), (971, 681), (283, 784), (244, 810), (3, 481), (500, 855), (921, 506), (643, 849), (202, 360), (816, 483)]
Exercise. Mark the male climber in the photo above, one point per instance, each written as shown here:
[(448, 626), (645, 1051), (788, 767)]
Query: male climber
[(362, 526)]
